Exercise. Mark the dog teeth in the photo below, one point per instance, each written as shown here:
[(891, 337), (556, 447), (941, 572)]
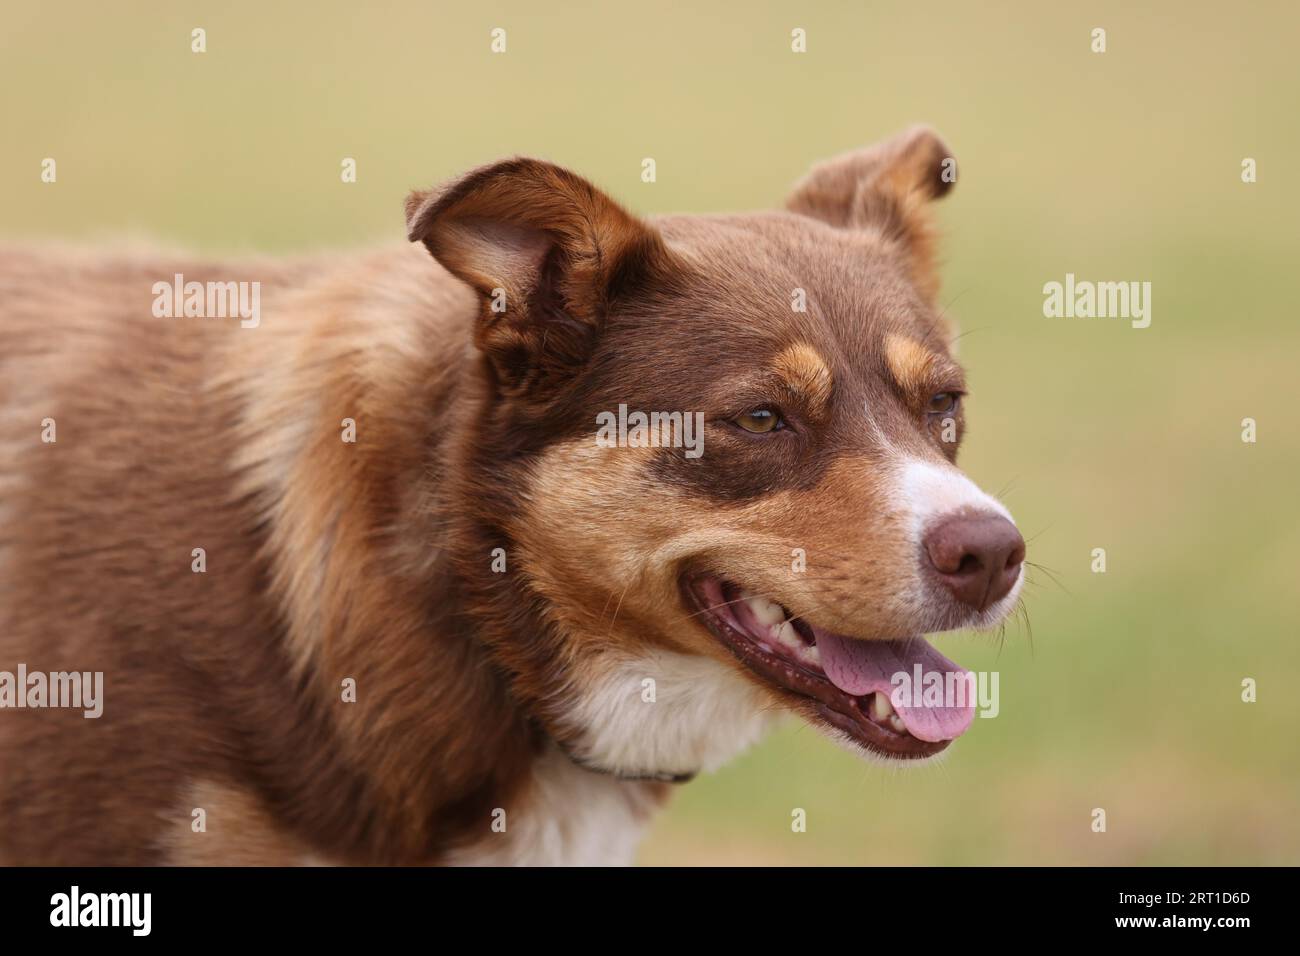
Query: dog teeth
[(881, 709), (786, 635), (790, 640), (883, 713), (770, 615), (765, 612), (795, 646)]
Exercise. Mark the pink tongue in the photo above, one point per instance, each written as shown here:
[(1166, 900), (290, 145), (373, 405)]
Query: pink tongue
[(864, 667)]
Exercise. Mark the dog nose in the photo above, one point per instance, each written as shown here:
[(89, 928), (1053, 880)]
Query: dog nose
[(977, 557)]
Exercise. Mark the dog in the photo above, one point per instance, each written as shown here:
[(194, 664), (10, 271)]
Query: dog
[(364, 587)]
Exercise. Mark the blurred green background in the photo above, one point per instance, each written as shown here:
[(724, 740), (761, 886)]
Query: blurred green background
[(1116, 166)]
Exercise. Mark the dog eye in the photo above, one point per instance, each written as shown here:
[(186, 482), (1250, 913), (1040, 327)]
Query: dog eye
[(943, 403), (760, 421)]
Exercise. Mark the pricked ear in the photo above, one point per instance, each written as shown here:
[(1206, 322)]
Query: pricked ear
[(548, 253), (886, 187)]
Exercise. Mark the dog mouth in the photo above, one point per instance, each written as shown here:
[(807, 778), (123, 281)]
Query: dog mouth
[(848, 683)]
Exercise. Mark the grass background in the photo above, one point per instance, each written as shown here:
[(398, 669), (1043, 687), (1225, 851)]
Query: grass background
[(1118, 166)]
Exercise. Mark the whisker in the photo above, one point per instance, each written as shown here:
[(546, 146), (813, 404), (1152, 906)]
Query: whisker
[(617, 607), (1022, 613), (1036, 534), (1050, 573)]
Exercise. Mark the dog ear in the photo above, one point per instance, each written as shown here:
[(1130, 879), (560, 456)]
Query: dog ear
[(547, 252), (885, 187)]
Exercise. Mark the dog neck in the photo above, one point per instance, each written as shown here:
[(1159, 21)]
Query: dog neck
[(399, 642)]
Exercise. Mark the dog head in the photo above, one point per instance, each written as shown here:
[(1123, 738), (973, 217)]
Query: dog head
[(730, 446)]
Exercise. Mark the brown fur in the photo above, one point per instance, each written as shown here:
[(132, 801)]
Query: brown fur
[(329, 560)]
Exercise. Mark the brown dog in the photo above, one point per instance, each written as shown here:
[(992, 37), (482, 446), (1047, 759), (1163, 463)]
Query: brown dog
[(382, 569)]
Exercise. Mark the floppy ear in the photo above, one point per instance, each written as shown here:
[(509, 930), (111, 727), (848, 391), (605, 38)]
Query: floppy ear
[(885, 187), (548, 253)]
